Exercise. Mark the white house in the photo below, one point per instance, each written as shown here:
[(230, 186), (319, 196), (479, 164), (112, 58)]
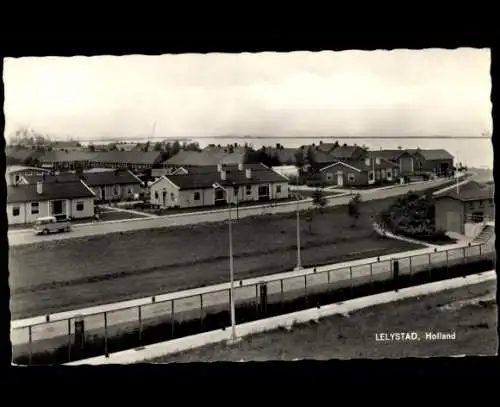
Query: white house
[(218, 185), (26, 203)]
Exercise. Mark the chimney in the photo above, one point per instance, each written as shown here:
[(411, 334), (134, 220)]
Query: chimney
[(240, 166), (223, 175), (248, 173), (39, 188)]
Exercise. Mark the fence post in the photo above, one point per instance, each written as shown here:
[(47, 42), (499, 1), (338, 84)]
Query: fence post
[(263, 299), (480, 249), (139, 317), (429, 268), (201, 310), (69, 340), (305, 290), (106, 354), (371, 273), (395, 276), (282, 295), (172, 318), (257, 298), (447, 259), (80, 335), (411, 267), (30, 336), (350, 278)]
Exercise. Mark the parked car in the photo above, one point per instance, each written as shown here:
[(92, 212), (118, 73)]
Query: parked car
[(50, 224)]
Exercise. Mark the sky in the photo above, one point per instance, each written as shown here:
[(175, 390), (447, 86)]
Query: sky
[(321, 94)]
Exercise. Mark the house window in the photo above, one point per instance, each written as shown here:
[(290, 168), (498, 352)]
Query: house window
[(477, 217), (15, 211), (490, 201), (156, 195), (129, 191), (470, 205), (329, 176), (481, 204), (370, 175), (34, 208), (351, 177), (196, 196), (172, 197), (278, 189), (79, 206), (248, 189)]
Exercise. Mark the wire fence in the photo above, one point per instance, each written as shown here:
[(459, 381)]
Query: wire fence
[(73, 330)]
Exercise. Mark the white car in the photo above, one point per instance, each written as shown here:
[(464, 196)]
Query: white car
[(50, 224)]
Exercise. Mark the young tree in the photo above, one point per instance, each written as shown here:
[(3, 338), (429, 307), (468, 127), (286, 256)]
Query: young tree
[(319, 200), (353, 208)]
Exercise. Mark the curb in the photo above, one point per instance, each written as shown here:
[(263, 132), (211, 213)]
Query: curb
[(150, 352)]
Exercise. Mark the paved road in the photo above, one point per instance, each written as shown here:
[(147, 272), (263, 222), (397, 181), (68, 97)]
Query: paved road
[(291, 284), (19, 237)]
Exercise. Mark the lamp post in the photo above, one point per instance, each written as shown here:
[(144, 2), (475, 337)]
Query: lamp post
[(233, 339), (299, 257)]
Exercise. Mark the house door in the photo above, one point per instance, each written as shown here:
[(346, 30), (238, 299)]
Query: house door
[(103, 194), (340, 179), (164, 195), (263, 192), (58, 207), (453, 223)]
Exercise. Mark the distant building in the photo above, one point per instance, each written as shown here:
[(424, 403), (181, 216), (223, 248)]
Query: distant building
[(218, 185), (209, 156), (360, 173), (439, 162), (401, 157), (14, 173), (467, 210)]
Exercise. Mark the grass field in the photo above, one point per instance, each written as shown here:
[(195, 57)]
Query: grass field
[(470, 312), (63, 274)]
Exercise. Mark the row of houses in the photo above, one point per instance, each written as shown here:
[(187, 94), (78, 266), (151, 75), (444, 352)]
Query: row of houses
[(34, 192), (135, 160)]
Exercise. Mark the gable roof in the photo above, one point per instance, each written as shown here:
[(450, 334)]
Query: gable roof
[(110, 178), (21, 154), (439, 154), (205, 177), (469, 190), (285, 155), (327, 147), (360, 165), (10, 169), (129, 157), (51, 178), (345, 152), (391, 155), (207, 157), (66, 156), (51, 190)]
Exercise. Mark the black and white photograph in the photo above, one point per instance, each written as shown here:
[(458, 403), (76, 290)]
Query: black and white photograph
[(256, 206)]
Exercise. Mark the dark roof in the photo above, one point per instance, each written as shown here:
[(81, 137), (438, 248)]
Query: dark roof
[(362, 166), (327, 147), (439, 154), (285, 155), (184, 157), (207, 176), (129, 157), (21, 154), (63, 156), (109, 178), (209, 156), (345, 152), (49, 178), (469, 191), (391, 155), (54, 190)]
